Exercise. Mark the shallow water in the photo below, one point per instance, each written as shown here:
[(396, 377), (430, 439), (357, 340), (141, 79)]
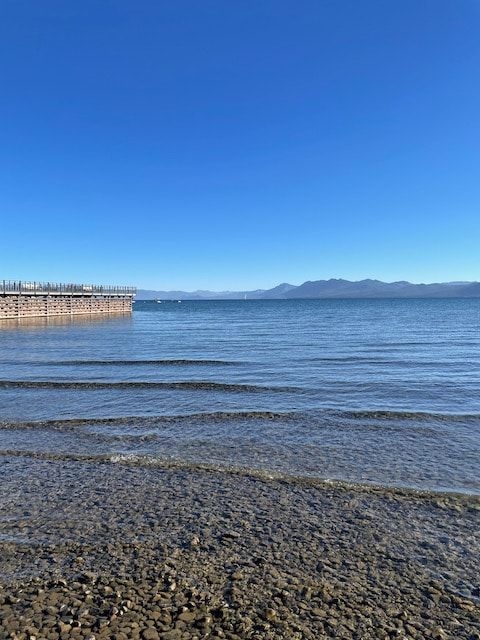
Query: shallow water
[(380, 391)]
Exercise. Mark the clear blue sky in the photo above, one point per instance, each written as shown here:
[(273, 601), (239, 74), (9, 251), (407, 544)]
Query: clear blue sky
[(234, 144)]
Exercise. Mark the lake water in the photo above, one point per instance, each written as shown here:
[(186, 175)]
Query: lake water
[(370, 391)]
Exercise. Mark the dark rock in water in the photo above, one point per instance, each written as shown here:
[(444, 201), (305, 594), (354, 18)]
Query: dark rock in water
[(88, 577), (231, 535)]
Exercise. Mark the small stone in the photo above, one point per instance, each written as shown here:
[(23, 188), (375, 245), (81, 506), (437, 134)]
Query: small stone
[(187, 616), (233, 535), (206, 621), (174, 634), (150, 634), (155, 615)]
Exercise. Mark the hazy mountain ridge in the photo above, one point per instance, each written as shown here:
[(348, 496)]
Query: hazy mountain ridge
[(333, 288)]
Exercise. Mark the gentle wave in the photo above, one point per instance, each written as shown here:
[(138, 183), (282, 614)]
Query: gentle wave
[(216, 416), (166, 362), (350, 359), (410, 415), (315, 415), (156, 362), (168, 464), (186, 384), (376, 360)]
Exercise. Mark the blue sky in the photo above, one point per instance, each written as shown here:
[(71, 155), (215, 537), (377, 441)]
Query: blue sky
[(239, 144)]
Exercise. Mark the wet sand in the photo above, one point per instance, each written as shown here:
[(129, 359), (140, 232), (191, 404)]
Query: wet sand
[(105, 550)]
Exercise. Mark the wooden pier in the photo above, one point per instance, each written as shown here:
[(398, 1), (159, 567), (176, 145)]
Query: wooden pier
[(20, 299)]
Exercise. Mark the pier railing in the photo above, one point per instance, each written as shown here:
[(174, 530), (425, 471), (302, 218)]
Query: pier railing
[(56, 288)]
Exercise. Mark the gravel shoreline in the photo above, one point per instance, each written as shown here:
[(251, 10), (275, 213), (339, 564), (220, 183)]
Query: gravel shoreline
[(101, 550)]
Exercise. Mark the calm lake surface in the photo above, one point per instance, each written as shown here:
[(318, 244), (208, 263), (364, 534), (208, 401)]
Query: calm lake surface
[(380, 391)]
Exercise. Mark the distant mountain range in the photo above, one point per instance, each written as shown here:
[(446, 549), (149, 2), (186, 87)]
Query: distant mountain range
[(334, 288)]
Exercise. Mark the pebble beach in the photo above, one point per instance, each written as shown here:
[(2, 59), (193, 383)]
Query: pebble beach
[(118, 551)]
